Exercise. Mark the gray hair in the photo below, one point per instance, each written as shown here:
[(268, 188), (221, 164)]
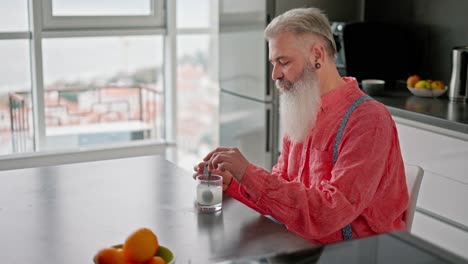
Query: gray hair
[(300, 21)]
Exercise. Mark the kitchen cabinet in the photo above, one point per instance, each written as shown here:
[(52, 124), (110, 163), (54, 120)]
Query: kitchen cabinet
[(440, 234), (444, 189), (438, 153)]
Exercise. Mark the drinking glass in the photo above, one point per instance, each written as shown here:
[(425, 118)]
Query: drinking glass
[(209, 193)]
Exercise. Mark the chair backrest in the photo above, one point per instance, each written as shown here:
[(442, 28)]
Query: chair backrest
[(414, 175)]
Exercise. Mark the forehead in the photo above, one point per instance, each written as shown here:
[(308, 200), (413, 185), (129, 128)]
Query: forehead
[(284, 44)]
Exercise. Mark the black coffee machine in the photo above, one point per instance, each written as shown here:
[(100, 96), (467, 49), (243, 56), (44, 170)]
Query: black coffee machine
[(375, 50)]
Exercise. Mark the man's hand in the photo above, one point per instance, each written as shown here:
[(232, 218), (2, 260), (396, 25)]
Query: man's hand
[(227, 177), (228, 159)]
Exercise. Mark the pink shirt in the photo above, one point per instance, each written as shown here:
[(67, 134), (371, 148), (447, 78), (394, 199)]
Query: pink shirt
[(366, 187)]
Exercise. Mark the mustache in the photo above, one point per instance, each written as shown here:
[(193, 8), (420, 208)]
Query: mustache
[(283, 83)]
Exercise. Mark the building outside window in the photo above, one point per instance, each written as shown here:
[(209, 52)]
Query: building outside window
[(92, 73), (80, 73), (15, 76), (100, 90)]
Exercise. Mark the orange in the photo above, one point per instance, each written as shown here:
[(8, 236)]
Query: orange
[(156, 260), (109, 256), (141, 245)]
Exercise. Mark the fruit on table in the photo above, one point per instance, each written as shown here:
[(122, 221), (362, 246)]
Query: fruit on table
[(141, 245), (415, 81), (412, 80), (437, 85), (423, 85), (109, 256), (156, 260)]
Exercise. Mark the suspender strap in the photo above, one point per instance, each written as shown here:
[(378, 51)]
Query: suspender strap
[(341, 128), (346, 231)]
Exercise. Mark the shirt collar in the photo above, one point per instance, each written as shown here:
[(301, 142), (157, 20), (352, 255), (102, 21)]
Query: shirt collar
[(344, 90)]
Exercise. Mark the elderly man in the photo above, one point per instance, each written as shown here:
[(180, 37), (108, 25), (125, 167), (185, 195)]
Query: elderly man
[(340, 174)]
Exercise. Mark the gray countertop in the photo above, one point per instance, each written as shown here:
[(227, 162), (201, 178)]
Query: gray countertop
[(438, 112), (66, 213)]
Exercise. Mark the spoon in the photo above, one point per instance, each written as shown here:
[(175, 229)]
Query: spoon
[(207, 195)]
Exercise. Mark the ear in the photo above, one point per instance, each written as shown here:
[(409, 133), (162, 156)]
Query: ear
[(317, 53)]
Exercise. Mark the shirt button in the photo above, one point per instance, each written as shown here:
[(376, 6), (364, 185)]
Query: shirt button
[(352, 201), (247, 195)]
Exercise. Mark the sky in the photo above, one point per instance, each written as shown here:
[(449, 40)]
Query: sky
[(88, 57), (101, 7)]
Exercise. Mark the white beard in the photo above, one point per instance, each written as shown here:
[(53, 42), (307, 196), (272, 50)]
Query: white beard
[(299, 105)]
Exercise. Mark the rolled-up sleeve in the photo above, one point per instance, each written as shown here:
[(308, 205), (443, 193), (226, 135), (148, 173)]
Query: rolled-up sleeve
[(238, 192)]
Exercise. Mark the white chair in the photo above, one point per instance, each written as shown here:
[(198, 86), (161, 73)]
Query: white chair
[(414, 175)]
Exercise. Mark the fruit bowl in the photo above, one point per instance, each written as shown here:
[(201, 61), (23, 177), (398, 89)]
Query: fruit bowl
[(163, 252), (427, 92)]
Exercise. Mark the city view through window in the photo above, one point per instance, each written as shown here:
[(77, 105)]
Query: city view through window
[(103, 90)]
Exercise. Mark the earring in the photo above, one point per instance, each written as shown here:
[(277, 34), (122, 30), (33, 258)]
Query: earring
[(317, 65)]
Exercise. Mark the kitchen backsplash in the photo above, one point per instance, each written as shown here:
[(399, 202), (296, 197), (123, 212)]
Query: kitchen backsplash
[(439, 26)]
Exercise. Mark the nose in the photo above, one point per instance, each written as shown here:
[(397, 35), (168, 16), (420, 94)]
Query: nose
[(276, 73)]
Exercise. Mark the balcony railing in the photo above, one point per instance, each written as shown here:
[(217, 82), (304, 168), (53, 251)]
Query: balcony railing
[(21, 137), (79, 107)]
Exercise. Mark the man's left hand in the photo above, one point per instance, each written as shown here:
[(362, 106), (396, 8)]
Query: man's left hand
[(228, 159)]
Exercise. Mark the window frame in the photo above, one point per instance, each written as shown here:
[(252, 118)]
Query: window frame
[(43, 26), (40, 13), (15, 35), (177, 31), (156, 19)]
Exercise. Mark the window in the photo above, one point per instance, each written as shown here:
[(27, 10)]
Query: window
[(194, 14), (197, 89), (101, 90), (16, 126), (13, 16), (101, 8), (68, 14), (98, 70), (97, 81), (16, 123)]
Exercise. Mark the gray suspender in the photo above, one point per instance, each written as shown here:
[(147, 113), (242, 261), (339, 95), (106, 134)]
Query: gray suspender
[(346, 231)]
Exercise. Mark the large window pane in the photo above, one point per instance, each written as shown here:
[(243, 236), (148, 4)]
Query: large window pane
[(16, 124), (242, 6), (13, 15), (193, 14), (103, 90), (101, 7), (197, 98)]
